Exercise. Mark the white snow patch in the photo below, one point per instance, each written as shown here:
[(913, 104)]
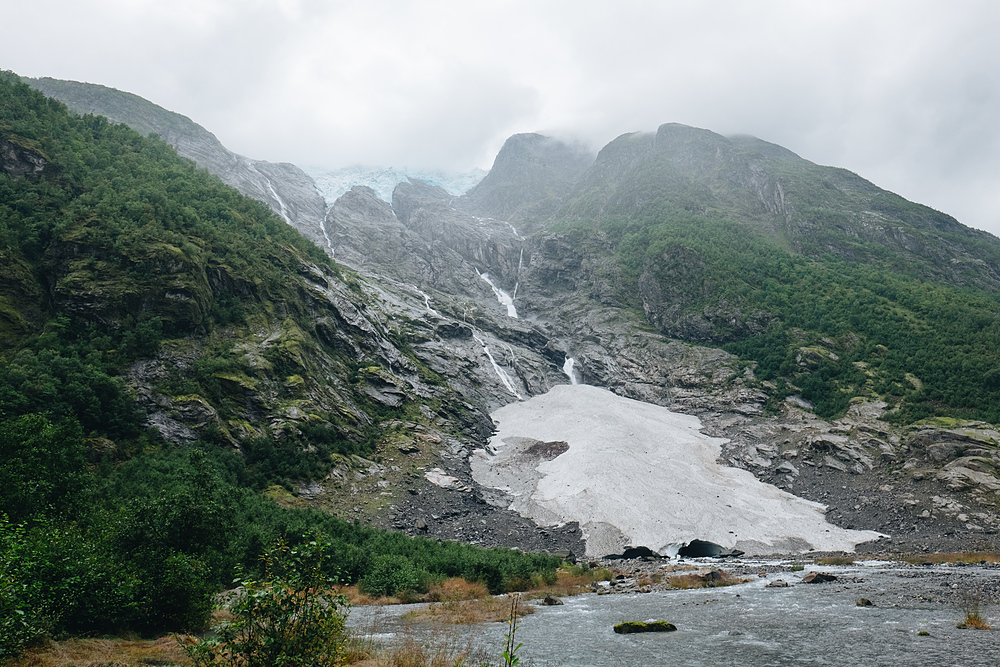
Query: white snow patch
[(639, 474)]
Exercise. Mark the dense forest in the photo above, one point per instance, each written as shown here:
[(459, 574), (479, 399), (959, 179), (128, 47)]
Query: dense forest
[(110, 247)]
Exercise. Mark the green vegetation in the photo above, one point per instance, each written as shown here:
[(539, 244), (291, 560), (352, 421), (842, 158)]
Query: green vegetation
[(159, 534), (289, 618), (631, 627), (825, 326), (116, 255)]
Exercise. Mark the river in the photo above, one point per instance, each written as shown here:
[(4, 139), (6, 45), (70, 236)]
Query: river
[(750, 625)]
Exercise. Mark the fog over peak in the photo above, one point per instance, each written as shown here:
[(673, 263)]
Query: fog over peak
[(903, 93)]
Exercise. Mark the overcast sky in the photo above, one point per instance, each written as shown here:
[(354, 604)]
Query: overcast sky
[(904, 92)]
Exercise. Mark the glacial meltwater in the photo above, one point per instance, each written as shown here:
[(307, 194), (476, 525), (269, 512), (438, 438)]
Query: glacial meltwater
[(747, 625)]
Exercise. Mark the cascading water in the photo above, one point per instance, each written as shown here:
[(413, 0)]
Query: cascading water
[(329, 243), (427, 303), (520, 262), (501, 373), (568, 370), (503, 297)]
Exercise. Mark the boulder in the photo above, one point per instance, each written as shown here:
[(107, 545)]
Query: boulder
[(817, 578), (566, 554), (639, 552), (551, 601), (777, 583), (631, 627), (710, 574)]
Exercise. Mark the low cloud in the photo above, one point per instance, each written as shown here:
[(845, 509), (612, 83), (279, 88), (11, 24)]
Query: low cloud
[(903, 93)]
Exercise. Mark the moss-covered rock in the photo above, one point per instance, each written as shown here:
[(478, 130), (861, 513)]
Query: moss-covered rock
[(632, 627)]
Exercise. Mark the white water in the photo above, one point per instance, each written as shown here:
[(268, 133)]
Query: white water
[(568, 370), (501, 373), (503, 297), (281, 203), (329, 243), (427, 303)]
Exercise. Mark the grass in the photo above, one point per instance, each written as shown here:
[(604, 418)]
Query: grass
[(570, 580), (104, 653), (972, 611), (467, 612), (834, 560), (445, 649), (694, 580)]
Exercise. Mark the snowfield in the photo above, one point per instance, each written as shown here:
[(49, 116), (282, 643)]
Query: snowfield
[(637, 474)]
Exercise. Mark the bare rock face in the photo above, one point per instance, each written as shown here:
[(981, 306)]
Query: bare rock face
[(422, 322), (18, 160)]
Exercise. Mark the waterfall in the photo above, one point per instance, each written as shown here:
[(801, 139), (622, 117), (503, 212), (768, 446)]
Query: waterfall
[(501, 373), (329, 244), (427, 303), (503, 297), (568, 370), (520, 263)]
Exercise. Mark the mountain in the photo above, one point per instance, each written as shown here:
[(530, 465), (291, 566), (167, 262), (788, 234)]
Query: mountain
[(529, 178), (288, 190), (827, 336), (840, 338)]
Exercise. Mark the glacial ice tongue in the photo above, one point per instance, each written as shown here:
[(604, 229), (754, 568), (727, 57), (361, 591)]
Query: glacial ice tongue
[(633, 473)]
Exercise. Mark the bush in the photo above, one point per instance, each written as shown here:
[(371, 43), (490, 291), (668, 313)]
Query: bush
[(20, 621), (392, 574), (289, 619)]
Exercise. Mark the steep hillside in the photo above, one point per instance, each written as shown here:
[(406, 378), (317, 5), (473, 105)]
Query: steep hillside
[(288, 190), (184, 379), (530, 177)]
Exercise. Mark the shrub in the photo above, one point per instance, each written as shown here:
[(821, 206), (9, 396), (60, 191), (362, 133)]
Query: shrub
[(392, 574), (289, 619), (973, 616)]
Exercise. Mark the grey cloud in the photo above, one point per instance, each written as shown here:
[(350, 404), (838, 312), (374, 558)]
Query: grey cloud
[(904, 93)]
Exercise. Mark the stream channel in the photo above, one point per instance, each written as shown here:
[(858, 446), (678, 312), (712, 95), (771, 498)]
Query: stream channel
[(745, 625)]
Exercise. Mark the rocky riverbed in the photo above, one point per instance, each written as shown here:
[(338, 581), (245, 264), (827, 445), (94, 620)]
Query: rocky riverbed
[(952, 584)]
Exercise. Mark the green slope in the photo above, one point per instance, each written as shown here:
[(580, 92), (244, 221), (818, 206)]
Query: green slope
[(835, 288)]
